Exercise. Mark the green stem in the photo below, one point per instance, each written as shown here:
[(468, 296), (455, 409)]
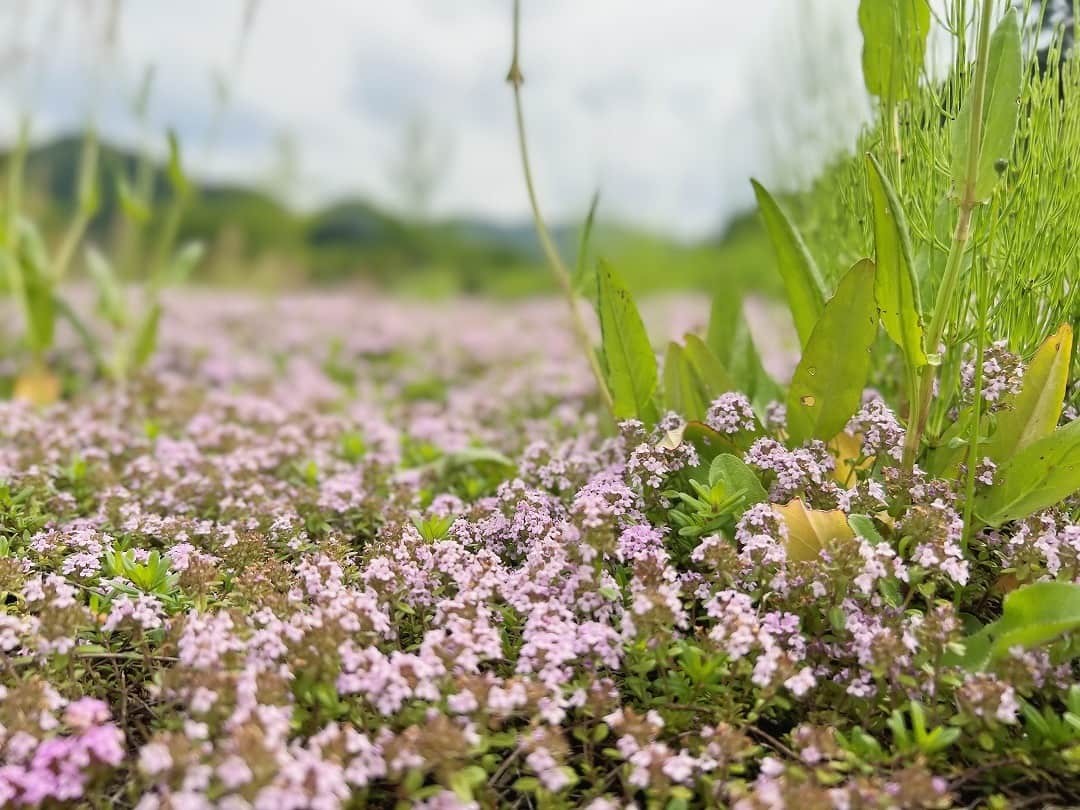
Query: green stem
[(893, 114), (551, 252), (976, 418), (961, 236)]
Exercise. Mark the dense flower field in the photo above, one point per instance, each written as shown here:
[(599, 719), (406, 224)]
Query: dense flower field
[(325, 555)]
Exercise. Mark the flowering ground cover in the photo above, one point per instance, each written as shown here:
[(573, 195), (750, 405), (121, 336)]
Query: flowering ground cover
[(346, 551), (316, 559)]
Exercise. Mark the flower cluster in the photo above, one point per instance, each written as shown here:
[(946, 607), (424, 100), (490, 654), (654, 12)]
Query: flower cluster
[(246, 580)]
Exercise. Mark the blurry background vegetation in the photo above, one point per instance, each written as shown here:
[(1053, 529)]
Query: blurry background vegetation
[(791, 102), (803, 106), (253, 238)]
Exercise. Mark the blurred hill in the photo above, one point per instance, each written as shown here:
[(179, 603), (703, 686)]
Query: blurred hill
[(251, 235)]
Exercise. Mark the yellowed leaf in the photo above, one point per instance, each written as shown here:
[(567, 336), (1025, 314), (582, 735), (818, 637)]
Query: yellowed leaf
[(38, 386), (809, 531), (846, 449)]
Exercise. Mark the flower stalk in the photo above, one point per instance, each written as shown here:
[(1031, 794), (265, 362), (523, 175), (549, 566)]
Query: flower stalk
[(551, 252)]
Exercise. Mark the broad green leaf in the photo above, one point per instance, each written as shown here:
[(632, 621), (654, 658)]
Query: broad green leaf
[(682, 393), (1032, 615), (829, 380), (802, 280), (145, 341), (631, 364), (735, 476), (1041, 475), (706, 441), (711, 374), (1003, 79), (894, 42), (729, 338), (895, 287), (1034, 412), (111, 303)]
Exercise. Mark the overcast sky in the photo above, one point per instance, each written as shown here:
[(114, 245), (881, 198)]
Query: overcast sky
[(666, 107)]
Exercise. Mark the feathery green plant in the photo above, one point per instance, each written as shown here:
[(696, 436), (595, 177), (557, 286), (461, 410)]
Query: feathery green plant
[(961, 195)]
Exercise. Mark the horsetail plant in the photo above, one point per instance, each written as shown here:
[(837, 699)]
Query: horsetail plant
[(1037, 464)]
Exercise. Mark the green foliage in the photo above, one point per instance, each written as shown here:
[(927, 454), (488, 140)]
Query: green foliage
[(1043, 474), (802, 279), (729, 339), (896, 289), (714, 378), (829, 380), (1031, 616), (916, 737), (714, 504), (894, 42), (997, 129), (153, 576), (1034, 412), (682, 391), (629, 361)]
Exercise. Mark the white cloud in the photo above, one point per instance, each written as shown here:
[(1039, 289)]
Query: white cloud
[(659, 104)]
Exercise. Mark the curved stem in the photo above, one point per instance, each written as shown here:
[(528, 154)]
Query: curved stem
[(551, 252)]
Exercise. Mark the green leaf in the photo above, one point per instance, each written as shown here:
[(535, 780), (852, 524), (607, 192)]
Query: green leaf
[(36, 286), (735, 476), (1041, 475), (682, 393), (729, 338), (65, 311), (1034, 412), (802, 280), (895, 288), (1003, 79), (631, 364), (711, 374), (894, 42), (585, 282), (863, 525), (134, 208), (175, 168), (828, 382), (707, 441), (184, 261), (1031, 616), (111, 303), (145, 340)]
